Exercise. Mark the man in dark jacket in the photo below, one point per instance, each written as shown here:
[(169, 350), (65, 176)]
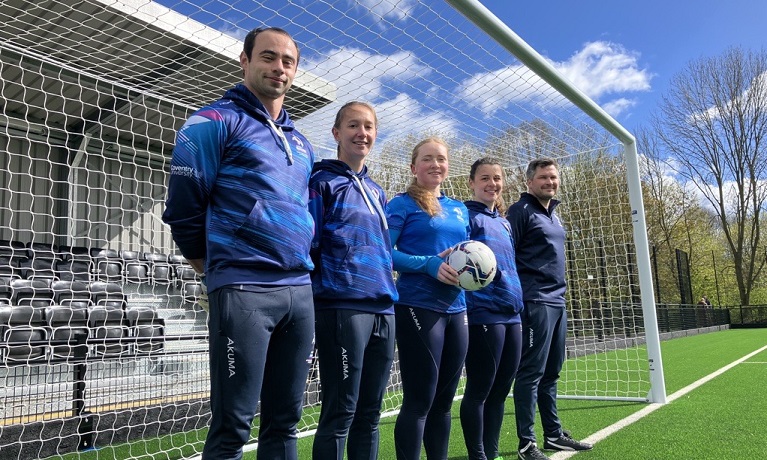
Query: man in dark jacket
[(539, 239), (237, 207)]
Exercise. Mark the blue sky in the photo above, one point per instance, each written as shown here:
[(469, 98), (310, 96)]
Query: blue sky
[(414, 62), (662, 37)]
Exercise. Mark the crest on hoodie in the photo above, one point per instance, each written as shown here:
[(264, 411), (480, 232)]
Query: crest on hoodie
[(299, 144)]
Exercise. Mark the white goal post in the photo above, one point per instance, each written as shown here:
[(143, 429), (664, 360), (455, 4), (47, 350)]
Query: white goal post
[(495, 28), (101, 340)]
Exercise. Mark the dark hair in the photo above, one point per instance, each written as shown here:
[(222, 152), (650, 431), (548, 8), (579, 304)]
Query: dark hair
[(500, 205), (539, 163), (250, 40), (342, 110)]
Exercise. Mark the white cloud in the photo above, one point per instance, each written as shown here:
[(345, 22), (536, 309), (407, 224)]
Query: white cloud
[(387, 9), (602, 68), (618, 106), (361, 75), (497, 89), (598, 70)]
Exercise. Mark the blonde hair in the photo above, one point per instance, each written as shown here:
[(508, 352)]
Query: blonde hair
[(423, 197)]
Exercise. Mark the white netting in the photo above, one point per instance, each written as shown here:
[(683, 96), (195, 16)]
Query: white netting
[(92, 94)]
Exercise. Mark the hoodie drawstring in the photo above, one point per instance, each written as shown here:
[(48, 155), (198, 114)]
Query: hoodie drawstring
[(285, 143), (367, 195)]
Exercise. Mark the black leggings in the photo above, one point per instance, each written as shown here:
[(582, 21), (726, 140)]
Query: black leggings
[(432, 348), (491, 364)]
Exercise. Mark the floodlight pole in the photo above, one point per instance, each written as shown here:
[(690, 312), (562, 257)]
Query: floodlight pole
[(503, 35)]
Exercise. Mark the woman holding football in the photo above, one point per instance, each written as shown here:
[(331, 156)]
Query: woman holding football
[(495, 330), (430, 315)]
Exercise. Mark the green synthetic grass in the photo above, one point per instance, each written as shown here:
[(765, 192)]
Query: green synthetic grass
[(723, 418)]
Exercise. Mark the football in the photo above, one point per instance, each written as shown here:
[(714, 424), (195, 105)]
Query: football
[(475, 264)]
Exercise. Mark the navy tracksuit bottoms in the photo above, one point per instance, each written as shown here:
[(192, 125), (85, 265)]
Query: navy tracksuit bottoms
[(355, 351), (260, 339), (491, 364), (544, 331)]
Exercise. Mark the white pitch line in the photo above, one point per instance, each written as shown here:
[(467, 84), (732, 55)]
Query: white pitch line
[(620, 424)]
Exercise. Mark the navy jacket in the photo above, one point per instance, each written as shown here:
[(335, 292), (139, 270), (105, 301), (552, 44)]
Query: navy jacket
[(238, 194), (539, 241), (501, 301), (351, 249)]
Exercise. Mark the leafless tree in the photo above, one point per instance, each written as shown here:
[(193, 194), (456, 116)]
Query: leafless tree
[(713, 121)]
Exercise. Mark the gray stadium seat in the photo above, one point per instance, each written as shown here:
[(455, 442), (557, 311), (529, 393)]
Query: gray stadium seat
[(36, 292), (12, 248), (73, 269), (107, 329), (67, 323), (108, 266), (161, 271), (23, 334), (105, 293), (38, 268), (41, 250), (144, 323), (64, 292)]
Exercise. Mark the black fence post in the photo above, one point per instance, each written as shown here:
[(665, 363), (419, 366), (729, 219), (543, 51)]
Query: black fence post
[(84, 418)]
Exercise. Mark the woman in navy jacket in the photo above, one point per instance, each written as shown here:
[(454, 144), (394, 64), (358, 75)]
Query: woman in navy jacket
[(354, 290), (495, 332)]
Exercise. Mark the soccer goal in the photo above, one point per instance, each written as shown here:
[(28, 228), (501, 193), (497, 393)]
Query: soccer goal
[(101, 339)]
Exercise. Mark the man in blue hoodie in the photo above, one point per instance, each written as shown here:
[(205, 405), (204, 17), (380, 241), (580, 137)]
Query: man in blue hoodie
[(237, 207), (539, 242)]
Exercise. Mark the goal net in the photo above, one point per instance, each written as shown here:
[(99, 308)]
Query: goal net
[(101, 339)]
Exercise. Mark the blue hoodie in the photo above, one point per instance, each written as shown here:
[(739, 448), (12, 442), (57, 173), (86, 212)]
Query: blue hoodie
[(539, 241), (351, 250), (238, 194), (501, 301)]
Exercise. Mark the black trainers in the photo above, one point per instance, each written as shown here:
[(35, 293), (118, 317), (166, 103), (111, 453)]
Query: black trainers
[(565, 442), (531, 452)]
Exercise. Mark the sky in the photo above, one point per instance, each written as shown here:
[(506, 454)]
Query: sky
[(658, 37), (622, 54)]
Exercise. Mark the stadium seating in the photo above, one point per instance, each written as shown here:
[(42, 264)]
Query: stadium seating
[(108, 266), (160, 269), (38, 266), (5, 290), (67, 323), (12, 248), (52, 297), (65, 292), (107, 294), (143, 323), (22, 334), (35, 292)]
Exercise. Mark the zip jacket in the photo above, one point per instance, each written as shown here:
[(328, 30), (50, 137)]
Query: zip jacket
[(501, 301), (351, 249), (238, 194), (539, 242)]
